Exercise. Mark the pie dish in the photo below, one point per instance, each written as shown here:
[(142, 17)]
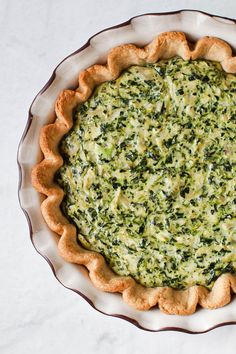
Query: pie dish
[(179, 258), (139, 30)]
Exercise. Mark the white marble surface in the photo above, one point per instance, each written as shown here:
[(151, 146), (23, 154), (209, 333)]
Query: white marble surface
[(36, 313)]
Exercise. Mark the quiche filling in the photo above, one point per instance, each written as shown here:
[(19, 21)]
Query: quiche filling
[(150, 169)]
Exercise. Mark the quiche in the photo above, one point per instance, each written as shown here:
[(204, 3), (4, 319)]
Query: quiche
[(139, 173)]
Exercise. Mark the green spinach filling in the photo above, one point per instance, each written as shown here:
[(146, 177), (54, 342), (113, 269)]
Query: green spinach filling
[(149, 173)]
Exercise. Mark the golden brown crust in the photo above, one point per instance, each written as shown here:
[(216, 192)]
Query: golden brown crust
[(166, 45)]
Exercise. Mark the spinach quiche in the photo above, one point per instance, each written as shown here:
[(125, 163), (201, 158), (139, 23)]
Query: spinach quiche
[(139, 173)]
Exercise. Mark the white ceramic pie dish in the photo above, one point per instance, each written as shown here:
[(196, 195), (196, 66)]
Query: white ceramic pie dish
[(139, 30)]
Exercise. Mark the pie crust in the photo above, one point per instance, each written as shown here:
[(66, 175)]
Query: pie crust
[(170, 301)]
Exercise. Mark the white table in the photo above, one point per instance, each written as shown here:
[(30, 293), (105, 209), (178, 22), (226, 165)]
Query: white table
[(38, 315)]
